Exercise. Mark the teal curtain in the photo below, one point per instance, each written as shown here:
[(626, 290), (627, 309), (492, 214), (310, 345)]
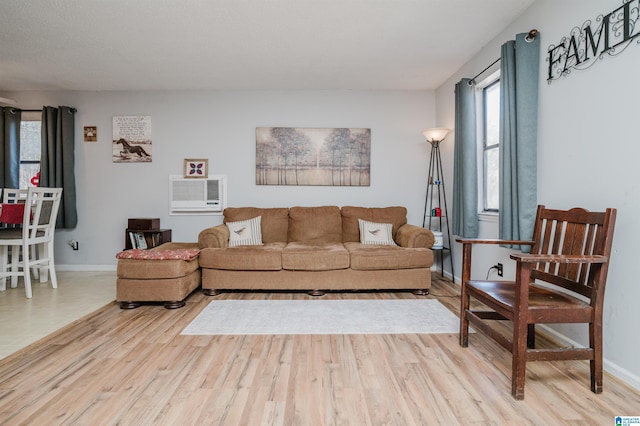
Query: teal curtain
[(57, 161), (465, 162), (519, 70), (10, 148)]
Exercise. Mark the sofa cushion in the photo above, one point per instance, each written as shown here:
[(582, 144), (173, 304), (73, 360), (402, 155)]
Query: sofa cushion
[(245, 232), (267, 257), (397, 216), (315, 225), (275, 221), (378, 234), (366, 257), (314, 257)]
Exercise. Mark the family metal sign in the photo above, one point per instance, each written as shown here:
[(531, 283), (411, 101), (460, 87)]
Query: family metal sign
[(611, 34)]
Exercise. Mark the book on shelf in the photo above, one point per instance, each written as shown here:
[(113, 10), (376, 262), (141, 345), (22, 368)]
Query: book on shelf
[(138, 240), (142, 242)]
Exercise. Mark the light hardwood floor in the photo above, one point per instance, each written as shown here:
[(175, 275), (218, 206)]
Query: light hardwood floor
[(133, 367), (24, 321)]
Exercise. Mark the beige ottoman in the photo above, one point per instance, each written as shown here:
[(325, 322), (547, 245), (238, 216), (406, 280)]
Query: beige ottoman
[(167, 273)]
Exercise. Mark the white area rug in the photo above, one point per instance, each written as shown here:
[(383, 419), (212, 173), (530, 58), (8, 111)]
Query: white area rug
[(251, 317)]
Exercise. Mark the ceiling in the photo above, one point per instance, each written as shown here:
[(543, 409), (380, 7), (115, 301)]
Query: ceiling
[(243, 44)]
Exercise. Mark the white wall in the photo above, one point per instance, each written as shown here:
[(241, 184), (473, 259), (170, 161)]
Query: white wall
[(221, 126), (588, 154)]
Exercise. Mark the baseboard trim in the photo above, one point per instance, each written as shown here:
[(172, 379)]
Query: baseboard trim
[(610, 367)]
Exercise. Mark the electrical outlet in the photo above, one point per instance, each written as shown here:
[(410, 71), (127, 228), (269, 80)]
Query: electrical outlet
[(499, 268)]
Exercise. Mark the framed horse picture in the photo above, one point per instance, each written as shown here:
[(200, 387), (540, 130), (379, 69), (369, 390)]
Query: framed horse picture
[(132, 139), (196, 168)]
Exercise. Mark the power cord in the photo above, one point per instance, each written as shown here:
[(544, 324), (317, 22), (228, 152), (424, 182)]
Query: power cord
[(497, 267)]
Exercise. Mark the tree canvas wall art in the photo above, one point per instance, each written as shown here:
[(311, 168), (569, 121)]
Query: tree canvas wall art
[(313, 157)]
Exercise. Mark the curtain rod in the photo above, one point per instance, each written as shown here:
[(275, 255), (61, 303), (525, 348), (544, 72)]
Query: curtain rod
[(483, 71), (71, 110), (528, 38), (13, 110)]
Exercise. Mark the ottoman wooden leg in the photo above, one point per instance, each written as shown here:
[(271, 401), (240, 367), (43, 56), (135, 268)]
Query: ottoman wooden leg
[(174, 305), (421, 292), (211, 291), (129, 305)]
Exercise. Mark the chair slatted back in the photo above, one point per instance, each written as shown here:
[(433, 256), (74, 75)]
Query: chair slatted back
[(576, 232), (12, 196), (41, 212)]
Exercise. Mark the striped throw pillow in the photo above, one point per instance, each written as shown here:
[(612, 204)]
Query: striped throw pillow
[(245, 232), (372, 233)]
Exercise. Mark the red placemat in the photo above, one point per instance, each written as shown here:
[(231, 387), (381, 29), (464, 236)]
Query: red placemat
[(12, 213)]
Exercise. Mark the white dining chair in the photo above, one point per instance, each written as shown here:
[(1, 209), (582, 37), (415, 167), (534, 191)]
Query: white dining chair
[(13, 196), (38, 229)]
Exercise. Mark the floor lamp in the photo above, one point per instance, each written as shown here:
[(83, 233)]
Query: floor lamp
[(435, 203)]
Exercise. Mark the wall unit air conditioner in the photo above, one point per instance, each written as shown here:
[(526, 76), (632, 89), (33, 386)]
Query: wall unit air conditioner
[(197, 196)]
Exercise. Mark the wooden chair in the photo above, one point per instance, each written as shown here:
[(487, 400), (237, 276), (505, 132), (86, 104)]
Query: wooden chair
[(570, 255)]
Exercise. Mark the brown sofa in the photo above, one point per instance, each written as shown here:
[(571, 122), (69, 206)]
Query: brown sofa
[(316, 249)]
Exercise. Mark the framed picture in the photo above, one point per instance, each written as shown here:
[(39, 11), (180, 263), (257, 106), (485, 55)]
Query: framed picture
[(313, 156), (90, 134), (196, 167), (131, 141)]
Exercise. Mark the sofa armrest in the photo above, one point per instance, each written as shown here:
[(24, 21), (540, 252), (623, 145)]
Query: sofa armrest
[(214, 237), (414, 237)]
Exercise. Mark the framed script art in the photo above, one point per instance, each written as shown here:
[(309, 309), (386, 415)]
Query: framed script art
[(310, 156), (196, 167), (132, 139)]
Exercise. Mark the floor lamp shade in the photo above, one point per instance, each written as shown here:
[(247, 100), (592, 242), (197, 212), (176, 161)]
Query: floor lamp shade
[(436, 134)]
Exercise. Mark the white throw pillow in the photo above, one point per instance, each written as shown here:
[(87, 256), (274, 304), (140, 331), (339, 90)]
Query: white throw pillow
[(372, 233), (245, 232)]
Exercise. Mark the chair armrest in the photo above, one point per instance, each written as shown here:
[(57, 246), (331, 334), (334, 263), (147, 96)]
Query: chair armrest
[(494, 241), (413, 236), (558, 258), (214, 237)]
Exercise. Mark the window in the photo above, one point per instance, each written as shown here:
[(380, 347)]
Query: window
[(489, 136), (30, 144)]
